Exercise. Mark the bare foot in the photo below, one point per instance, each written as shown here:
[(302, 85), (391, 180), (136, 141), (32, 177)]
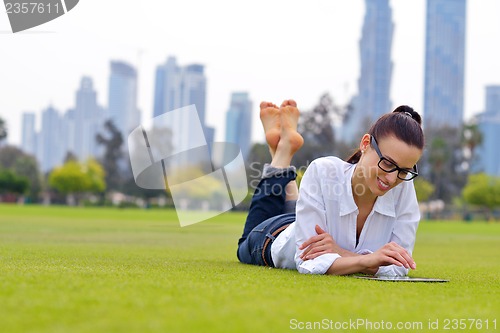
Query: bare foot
[(289, 120), (270, 118)]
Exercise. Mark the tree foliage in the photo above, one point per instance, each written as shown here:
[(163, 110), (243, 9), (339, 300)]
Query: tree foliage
[(3, 130), (471, 137), (113, 154), (204, 188), (74, 177), (424, 189), (482, 190), (23, 165), (317, 128), (10, 182), (443, 162)]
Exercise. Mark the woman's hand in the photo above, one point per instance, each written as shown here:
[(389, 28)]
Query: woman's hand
[(389, 254), (318, 245)]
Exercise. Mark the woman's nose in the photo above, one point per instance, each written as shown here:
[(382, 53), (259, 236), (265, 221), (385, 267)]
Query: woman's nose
[(391, 177)]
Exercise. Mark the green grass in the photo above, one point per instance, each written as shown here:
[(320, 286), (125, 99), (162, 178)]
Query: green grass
[(108, 270)]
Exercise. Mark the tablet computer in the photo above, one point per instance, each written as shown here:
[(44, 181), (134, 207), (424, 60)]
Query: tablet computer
[(400, 278)]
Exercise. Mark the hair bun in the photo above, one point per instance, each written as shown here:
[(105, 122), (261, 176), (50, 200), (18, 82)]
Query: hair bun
[(407, 110)]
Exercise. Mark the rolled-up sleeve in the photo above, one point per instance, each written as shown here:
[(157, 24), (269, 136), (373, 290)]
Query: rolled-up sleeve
[(311, 212)]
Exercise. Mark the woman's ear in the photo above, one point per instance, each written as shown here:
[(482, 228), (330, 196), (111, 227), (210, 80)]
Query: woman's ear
[(365, 142)]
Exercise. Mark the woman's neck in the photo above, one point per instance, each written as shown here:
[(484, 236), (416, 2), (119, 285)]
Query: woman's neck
[(362, 195)]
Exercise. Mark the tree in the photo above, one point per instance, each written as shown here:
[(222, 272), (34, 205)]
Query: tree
[(11, 183), (23, 165), (317, 128), (206, 188), (112, 155), (70, 156), (75, 179), (258, 156), (471, 139), (443, 162), (484, 191), (3, 130), (423, 188)]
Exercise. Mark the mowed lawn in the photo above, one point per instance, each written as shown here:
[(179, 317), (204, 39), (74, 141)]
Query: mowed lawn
[(109, 270)]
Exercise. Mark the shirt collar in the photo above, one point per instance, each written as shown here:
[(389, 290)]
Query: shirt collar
[(384, 205), (347, 204)]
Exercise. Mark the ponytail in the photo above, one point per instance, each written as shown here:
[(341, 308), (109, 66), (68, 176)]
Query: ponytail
[(404, 123)]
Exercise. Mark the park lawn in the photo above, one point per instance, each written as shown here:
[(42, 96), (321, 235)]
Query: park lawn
[(109, 270)]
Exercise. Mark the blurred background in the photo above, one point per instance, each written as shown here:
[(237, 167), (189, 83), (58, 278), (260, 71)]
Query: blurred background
[(72, 90)]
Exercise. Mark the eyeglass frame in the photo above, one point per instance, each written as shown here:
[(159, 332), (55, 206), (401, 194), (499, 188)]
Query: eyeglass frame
[(414, 173)]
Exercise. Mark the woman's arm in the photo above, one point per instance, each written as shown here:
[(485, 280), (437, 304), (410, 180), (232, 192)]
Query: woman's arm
[(324, 243), (389, 254), (311, 212), (315, 242)]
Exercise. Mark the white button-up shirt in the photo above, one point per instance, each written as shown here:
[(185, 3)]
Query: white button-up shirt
[(326, 199)]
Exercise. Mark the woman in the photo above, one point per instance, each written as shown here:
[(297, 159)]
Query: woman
[(359, 216)]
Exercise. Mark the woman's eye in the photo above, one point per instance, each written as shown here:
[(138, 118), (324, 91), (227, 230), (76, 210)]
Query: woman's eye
[(387, 164)]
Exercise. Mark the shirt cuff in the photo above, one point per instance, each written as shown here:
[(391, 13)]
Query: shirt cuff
[(392, 270), (317, 265), (364, 251)]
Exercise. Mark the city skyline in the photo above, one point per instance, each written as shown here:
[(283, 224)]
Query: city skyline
[(375, 77), (72, 131), (486, 157), (444, 63), (238, 122), (322, 51)]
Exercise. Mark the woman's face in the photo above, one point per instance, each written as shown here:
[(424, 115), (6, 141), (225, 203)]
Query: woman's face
[(393, 150)]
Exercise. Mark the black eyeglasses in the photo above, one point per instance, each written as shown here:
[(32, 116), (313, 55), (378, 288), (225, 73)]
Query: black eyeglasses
[(388, 166)]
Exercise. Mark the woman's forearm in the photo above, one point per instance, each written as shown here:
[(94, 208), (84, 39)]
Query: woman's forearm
[(350, 265)]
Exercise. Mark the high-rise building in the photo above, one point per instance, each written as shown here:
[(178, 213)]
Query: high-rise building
[(87, 121), (50, 149), (444, 63), (74, 132), (68, 132), (28, 141), (177, 87), (239, 122), (487, 158), (122, 98), (374, 83)]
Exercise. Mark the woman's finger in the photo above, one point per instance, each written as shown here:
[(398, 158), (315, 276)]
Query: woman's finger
[(313, 239)]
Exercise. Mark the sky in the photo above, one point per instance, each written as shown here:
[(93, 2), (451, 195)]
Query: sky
[(274, 50)]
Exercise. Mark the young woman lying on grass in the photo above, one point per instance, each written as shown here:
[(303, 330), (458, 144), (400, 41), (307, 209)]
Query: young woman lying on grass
[(359, 216)]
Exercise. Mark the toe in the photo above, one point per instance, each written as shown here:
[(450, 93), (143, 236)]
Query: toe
[(289, 102), (264, 105)]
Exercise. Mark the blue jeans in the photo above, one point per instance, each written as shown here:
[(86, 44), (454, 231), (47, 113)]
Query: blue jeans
[(269, 215)]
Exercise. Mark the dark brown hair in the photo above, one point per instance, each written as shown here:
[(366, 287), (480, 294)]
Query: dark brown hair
[(404, 123)]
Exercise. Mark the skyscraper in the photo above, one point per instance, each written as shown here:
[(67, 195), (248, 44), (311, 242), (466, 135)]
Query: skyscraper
[(28, 141), (444, 63), (239, 122), (122, 98), (50, 149), (487, 157), (374, 83), (87, 120), (176, 87), (74, 132)]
